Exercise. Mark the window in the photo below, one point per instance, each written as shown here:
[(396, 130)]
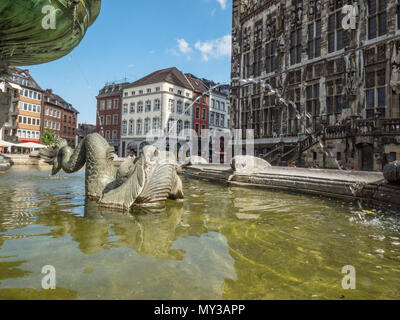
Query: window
[(222, 120), (223, 106), (398, 14), (131, 127), (212, 118), (334, 97), (375, 93), (124, 127), (116, 104), (180, 92), (148, 90), (148, 106), (107, 135), (197, 113), (312, 104), (101, 120), (179, 126), (146, 126), (187, 109), (179, 107), (114, 134), (203, 114), (337, 37), (138, 127), (156, 123), (109, 102), (187, 124), (115, 119), (157, 105), (295, 46), (171, 89), (102, 105), (158, 89), (108, 120), (377, 18), (140, 91), (314, 39), (125, 109), (171, 105), (132, 108), (140, 107), (392, 156)]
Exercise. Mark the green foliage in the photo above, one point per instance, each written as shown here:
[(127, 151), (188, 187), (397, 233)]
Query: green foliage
[(48, 137)]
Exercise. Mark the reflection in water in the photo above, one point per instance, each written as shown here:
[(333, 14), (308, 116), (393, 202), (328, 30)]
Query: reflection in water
[(221, 242)]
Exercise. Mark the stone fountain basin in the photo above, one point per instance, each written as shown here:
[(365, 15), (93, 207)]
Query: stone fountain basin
[(350, 185)]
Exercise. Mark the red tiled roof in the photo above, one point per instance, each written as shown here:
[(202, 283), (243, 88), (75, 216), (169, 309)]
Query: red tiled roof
[(170, 75)]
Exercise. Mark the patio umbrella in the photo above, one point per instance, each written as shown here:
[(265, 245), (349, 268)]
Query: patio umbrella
[(30, 145), (6, 144)]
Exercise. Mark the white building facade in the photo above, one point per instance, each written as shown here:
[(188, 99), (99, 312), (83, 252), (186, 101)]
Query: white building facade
[(154, 104), (219, 115)]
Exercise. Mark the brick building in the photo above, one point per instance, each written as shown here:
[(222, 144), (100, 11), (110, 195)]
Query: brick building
[(343, 82), (200, 107), (60, 117), (108, 120)]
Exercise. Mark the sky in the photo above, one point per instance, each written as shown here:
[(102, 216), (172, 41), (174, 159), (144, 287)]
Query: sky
[(133, 38)]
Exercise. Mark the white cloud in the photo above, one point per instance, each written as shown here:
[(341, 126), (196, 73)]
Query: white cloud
[(183, 46), (152, 51), (216, 49), (222, 3)]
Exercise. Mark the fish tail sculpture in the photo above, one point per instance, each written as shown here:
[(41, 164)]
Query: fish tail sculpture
[(147, 181)]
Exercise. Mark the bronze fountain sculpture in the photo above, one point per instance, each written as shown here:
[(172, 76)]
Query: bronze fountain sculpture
[(148, 180)]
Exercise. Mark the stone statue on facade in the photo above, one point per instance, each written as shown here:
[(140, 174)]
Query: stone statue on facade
[(395, 75), (148, 180)]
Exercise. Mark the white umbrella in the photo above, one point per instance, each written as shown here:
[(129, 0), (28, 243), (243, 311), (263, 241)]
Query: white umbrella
[(30, 145), (6, 144)]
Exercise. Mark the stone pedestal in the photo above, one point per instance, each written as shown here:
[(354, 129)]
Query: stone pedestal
[(5, 163)]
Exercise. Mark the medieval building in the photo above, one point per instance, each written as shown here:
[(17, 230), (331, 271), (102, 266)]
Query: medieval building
[(318, 80)]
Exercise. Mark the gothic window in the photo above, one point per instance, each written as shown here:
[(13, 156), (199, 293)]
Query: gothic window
[(337, 37), (257, 65), (270, 57), (334, 97), (314, 39), (312, 103), (295, 46), (377, 18), (258, 33), (375, 93)]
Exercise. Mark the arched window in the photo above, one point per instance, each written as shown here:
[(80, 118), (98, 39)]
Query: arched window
[(138, 126), (131, 127)]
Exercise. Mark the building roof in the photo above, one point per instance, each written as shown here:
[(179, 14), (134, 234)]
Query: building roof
[(170, 75), (197, 84), (23, 78), (113, 89), (56, 100), (222, 90)]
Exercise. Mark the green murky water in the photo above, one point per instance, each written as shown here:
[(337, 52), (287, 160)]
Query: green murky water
[(220, 243)]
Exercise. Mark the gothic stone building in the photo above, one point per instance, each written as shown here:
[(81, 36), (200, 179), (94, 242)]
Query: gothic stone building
[(344, 79)]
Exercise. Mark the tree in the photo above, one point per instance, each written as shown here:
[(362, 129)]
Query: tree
[(48, 137)]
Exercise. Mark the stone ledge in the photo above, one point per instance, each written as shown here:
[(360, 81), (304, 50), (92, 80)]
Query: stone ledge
[(350, 185)]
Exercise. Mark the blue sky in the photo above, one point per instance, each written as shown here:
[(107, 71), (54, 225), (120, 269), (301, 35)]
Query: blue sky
[(132, 38)]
